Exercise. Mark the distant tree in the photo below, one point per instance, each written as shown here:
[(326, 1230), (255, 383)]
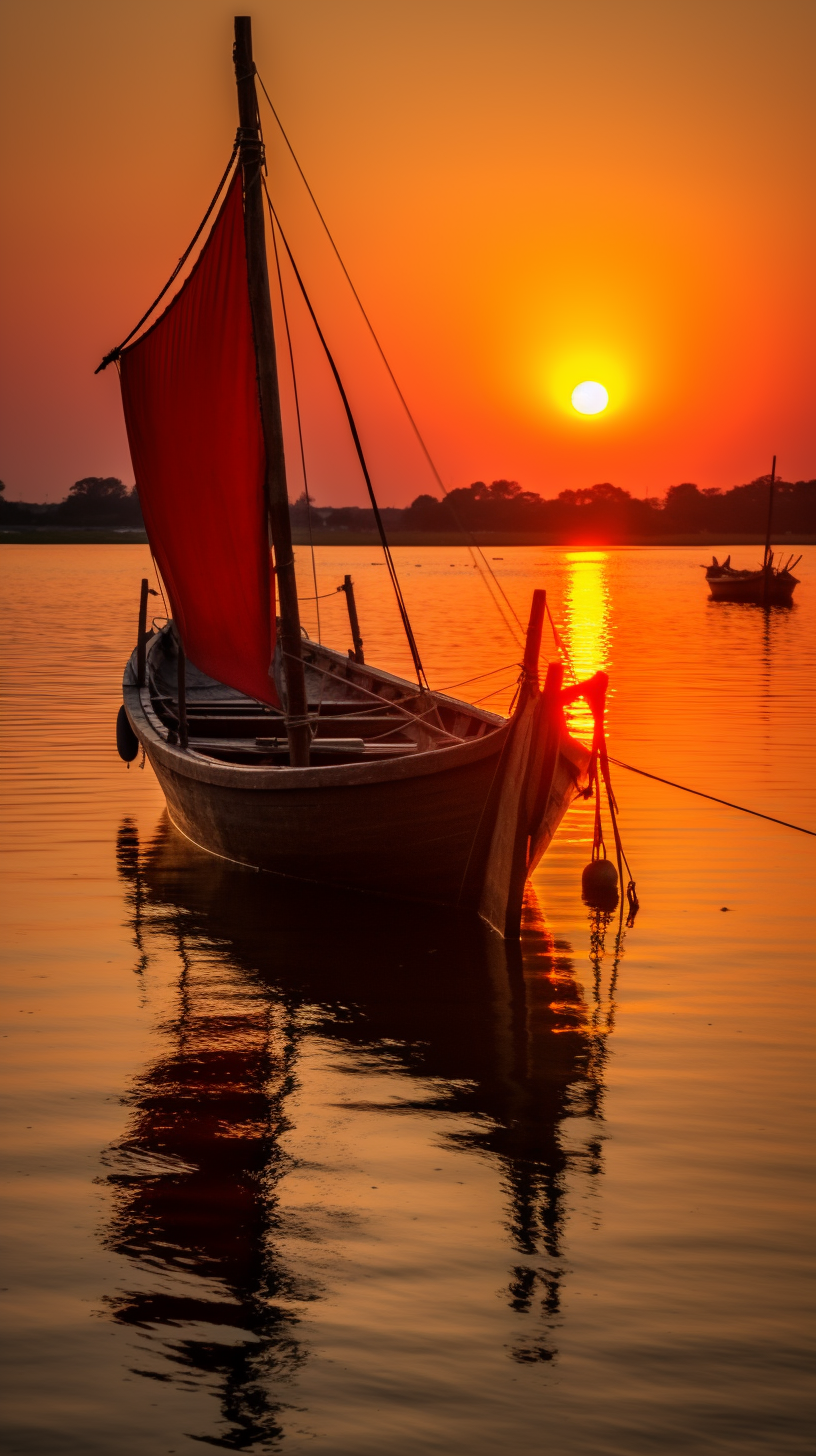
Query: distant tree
[(800, 508), (301, 509), (426, 513), (604, 493), (604, 512), (98, 490), (685, 508), (13, 513), (98, 500), (741, 510), (343, 518), (500, 506)]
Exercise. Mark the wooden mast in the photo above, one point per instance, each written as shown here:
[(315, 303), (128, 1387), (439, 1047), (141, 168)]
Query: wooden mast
[(766, 563), (277, 498)]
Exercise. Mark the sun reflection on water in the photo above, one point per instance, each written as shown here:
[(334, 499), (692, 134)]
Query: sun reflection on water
[(586, 626)]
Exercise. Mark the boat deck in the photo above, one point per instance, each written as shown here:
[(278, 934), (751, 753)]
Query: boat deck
[(359, 714)]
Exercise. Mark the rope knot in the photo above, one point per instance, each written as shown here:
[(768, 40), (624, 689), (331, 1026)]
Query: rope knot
[(110, 358)]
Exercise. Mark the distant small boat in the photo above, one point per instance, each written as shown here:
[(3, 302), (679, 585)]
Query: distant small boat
[(768, 586)]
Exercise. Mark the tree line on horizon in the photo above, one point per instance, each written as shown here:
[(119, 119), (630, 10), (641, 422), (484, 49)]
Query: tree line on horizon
[(94, 501), (601, 511)]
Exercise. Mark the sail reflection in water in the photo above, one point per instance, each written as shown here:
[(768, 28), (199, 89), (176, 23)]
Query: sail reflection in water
[(501, 1034), (194, 1176)]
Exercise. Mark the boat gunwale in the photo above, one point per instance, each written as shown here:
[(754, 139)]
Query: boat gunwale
[(379, 674), (737, 577), (752, 589), (273, 777)]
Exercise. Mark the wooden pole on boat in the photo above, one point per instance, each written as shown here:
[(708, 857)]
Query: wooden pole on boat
[(277, 499), (766, 564), (182, 695), (141, 640), (535, 626), (348, 588)]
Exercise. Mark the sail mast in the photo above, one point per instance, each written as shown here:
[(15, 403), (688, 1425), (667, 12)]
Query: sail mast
[(770, 513), (260, 304)]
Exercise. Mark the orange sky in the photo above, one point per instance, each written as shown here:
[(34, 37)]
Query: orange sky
[(527, 195)]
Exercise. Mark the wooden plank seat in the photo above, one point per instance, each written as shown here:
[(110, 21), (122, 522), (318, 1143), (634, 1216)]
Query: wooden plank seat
[(362, 725), (272, 750)]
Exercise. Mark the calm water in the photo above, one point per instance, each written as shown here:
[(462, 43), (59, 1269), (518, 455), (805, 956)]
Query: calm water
[(299, 1173)]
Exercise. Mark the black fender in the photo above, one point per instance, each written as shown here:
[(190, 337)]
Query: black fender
[(126, 741)]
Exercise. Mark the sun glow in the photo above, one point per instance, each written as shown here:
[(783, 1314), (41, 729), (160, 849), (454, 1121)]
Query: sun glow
[(589, 398), (582, 367)]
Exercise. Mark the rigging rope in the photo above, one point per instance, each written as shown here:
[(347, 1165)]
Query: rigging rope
[(505, 688), (403, 610), (600, 761), (561, 644), (299, 427), (478, 678), (472, 544), (395, 705), (115, 353)]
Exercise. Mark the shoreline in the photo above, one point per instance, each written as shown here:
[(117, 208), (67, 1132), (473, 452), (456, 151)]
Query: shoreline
[(101, 536)]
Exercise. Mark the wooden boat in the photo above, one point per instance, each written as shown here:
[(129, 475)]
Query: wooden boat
[(769, 585), (272, 750), (410, 794)]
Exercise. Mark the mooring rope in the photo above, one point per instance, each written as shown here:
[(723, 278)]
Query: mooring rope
[(600, 760), (713, 797)]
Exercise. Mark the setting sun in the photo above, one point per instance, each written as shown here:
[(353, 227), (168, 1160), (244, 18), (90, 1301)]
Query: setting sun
[(589, 398)]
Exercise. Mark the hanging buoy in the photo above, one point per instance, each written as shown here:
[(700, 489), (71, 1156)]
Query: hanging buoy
[(126, 741), (599, 884)]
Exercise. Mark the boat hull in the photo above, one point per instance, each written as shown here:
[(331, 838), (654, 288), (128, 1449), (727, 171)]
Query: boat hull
[(373, 837), (420, 827), (751, 588)]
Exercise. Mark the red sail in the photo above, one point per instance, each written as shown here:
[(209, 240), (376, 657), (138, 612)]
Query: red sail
[(193, 420)]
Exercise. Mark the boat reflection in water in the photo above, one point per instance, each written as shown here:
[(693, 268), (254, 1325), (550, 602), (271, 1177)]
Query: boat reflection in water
[(501, 1031)]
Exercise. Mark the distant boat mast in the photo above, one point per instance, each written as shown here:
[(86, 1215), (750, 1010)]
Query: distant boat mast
[(766, 563)]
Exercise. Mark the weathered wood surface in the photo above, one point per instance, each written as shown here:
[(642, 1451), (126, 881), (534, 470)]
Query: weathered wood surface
[(505, 866), (354, 623), (141, 635), (182, 697), (541, 771), (447, 820)]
